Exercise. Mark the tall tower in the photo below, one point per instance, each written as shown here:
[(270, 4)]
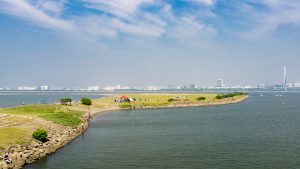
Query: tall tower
[(284, 78), (220, 83)]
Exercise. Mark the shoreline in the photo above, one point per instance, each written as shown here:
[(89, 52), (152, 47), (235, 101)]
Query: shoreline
[(24, 155), (227, 102)]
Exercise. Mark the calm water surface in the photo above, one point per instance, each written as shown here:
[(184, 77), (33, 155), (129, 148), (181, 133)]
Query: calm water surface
[(262, 132), (9, 99)]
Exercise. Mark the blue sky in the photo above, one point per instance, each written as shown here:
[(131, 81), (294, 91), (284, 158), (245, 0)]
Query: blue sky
[(148, 42)]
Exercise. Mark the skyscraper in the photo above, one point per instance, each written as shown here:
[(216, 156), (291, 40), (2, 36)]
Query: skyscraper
[(220, 83), (284, 78)]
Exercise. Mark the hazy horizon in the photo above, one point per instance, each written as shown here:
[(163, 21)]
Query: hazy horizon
[(148, 42)]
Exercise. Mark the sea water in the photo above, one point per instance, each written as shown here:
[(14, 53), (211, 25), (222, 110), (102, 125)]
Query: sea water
[(260, 132)]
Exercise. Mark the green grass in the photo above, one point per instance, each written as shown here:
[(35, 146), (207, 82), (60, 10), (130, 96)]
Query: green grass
[(69, 118), (31, 110), (12, 135), (161, 100), (55, 113)]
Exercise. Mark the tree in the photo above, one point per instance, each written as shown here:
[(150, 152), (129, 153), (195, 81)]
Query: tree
[(65, 101), (201, 98), (86, 101)]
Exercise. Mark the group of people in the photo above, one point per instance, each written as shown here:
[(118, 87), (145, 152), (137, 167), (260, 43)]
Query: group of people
[(89, 116)]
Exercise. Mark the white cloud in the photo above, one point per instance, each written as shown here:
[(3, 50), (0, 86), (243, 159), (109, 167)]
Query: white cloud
[(55, 8), (187, 27), (114, 18), (24, 10), (206, 2), (277, 13), (120, 8), (95, 26)]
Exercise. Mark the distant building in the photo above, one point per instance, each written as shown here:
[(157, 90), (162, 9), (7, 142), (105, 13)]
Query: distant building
[(193, 86), (26, 88), (44, 88), (236, 87), (117, 87), (284, 79), (293, 85), (57, 88), (248, 87), (93, 88), (261, 86), (296, 85), (152, 88), (220, 83)]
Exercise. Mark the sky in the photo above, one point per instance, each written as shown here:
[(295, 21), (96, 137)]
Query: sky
[(77, 43)]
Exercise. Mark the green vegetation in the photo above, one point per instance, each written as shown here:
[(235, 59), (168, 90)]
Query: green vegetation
[(230, 95), (201, 98), (55, 113), (41, 135), (12, 135), (171, 100), (163, 100), (65, 101), (86, 101), (66, 118), (125, 105), (166, 100)]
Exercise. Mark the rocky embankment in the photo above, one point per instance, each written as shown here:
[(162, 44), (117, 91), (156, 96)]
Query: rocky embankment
[(22, 155)]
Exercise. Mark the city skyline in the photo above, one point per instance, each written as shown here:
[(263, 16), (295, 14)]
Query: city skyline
[(219, 84), (143, 42)]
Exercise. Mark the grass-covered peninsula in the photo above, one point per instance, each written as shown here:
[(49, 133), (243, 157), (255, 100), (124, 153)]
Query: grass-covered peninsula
[(64, 121)]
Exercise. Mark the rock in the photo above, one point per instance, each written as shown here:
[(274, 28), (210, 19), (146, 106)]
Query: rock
[(41, 151), (4, 166), (24, 156), (29, 161), (19, 164), (35, 156), (13, 156)]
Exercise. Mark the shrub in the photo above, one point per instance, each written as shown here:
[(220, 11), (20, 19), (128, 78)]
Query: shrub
[(223, 96), (171, 100), (65, 101), (219, 96), (40, 134), (86, 101), (201, 98)]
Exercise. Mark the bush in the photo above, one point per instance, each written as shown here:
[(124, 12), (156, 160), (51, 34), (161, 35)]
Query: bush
[(223, 96), (40, 134), (86, 101), (65, 101), (171, 100), (201, 98)]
